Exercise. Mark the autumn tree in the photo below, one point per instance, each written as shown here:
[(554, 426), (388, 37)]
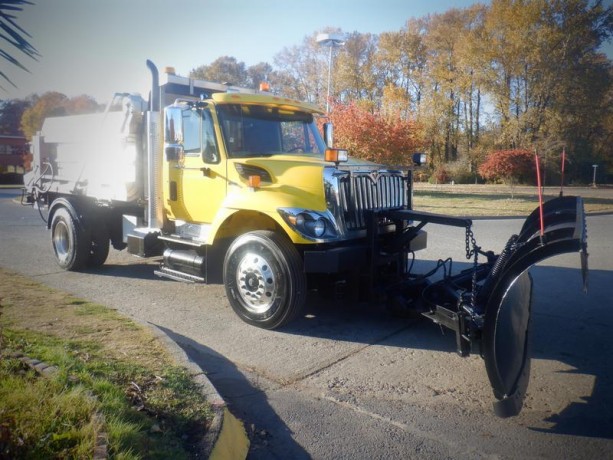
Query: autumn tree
[(355, 70), (401, 62), (371, 136), (539, 53), (259, 73), (82, 104), (54, 104), (304, 70), (224, 69), (509, 166)]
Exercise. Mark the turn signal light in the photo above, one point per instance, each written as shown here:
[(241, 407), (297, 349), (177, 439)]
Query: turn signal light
[(254, 181), (336, 155)]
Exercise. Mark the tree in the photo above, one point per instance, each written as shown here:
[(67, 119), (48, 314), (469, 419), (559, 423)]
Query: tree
[(372, 136), (13, 35), (509, 166), (303, 70), (401, 62), (259, 73), (355, 70), (54, 104), (224, 69), (81, 104), (11, 112), (540, 52)]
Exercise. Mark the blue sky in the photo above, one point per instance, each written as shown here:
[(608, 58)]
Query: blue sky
[(99, 47)]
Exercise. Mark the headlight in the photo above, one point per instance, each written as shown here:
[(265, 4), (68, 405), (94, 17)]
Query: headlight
[(312, 225), (317, 227)]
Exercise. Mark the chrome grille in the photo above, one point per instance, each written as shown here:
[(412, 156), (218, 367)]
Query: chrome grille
[(361, 192)]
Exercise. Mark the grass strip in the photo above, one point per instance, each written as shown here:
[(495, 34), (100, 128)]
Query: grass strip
[(106, 364), (493, 204)]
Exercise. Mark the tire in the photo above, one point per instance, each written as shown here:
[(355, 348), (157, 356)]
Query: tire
[(71, 244), (99, 249), (264, 279)]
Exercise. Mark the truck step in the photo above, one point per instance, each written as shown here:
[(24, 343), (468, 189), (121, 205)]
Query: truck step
[(165, 272), (181, 240)]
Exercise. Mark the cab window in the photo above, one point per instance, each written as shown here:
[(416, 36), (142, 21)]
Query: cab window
[(191, 132)]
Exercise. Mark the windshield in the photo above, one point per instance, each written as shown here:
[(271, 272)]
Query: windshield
[(251, 130)]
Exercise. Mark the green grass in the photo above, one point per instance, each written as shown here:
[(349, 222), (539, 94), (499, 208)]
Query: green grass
[(492, 204), (149, 413), (112, 378)]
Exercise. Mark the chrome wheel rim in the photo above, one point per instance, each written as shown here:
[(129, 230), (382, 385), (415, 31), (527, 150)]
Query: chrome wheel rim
[(257, 283), (61, 240)]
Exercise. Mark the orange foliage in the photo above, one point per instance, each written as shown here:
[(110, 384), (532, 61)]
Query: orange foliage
[(371, 136), (514, 165)]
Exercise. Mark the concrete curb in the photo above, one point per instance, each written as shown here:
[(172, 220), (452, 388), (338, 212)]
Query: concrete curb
[(226, 438)]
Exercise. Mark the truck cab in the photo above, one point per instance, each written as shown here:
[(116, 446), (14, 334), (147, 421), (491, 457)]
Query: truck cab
[(241, 170)]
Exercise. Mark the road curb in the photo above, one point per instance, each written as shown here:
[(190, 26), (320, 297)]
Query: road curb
[(226, 438)]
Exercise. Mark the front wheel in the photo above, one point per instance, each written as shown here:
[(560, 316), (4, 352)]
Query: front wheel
[(264, 279)]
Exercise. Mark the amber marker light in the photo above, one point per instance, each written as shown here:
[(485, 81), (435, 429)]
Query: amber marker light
[(254, 181), (336, 155)]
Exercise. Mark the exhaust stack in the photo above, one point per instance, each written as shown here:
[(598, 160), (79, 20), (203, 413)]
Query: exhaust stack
[(155, 219)]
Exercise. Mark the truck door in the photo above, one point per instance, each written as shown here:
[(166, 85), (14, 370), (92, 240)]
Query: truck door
[(196, 184)]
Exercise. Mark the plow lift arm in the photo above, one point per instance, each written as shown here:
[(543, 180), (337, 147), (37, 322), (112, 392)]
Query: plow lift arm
[(488, 306)]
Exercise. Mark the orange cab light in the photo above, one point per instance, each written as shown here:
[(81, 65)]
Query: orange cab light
[(264, 86), (336, 155), (254, 181)]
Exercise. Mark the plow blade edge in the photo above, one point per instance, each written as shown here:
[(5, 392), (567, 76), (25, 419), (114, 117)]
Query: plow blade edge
[(506, 330)]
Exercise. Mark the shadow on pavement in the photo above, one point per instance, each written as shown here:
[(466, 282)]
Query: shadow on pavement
[(140, 271), (569, 327), (575, 329), (245, 401)]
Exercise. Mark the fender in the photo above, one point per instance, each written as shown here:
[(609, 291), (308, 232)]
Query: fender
[(262, 201), (71, 207)]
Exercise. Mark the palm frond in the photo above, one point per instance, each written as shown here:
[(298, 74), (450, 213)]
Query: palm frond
[(14, 35)]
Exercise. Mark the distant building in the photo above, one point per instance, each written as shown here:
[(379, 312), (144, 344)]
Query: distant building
[(14, 154)]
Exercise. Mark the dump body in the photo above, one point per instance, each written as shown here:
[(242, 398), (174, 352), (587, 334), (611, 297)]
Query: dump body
[(96, 155)]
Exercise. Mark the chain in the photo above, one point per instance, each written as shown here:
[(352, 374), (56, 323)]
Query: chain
[(472, 250)]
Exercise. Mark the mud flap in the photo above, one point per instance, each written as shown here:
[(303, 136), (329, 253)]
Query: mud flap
[(506, 330)]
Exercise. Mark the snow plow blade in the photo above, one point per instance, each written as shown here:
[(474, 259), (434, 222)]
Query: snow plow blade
[(507, 295), (489, 305)]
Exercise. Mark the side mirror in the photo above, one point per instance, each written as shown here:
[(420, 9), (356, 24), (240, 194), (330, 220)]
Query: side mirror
[(174, 152), (420, 159), (329, 135)]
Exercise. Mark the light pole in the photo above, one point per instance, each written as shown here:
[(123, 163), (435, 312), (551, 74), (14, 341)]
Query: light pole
[(331, 41), (594, 179)]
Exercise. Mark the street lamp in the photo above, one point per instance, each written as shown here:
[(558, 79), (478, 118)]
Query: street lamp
[(331, 41), (594, 179)]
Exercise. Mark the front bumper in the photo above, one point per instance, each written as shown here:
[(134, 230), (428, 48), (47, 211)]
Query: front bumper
[(354, 257)]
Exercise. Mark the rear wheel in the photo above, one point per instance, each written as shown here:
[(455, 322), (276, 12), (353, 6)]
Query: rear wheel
[(71, 243), (264, 279), (99, 249)]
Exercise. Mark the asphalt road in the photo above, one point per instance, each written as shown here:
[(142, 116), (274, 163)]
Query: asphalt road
[(353, 382)]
